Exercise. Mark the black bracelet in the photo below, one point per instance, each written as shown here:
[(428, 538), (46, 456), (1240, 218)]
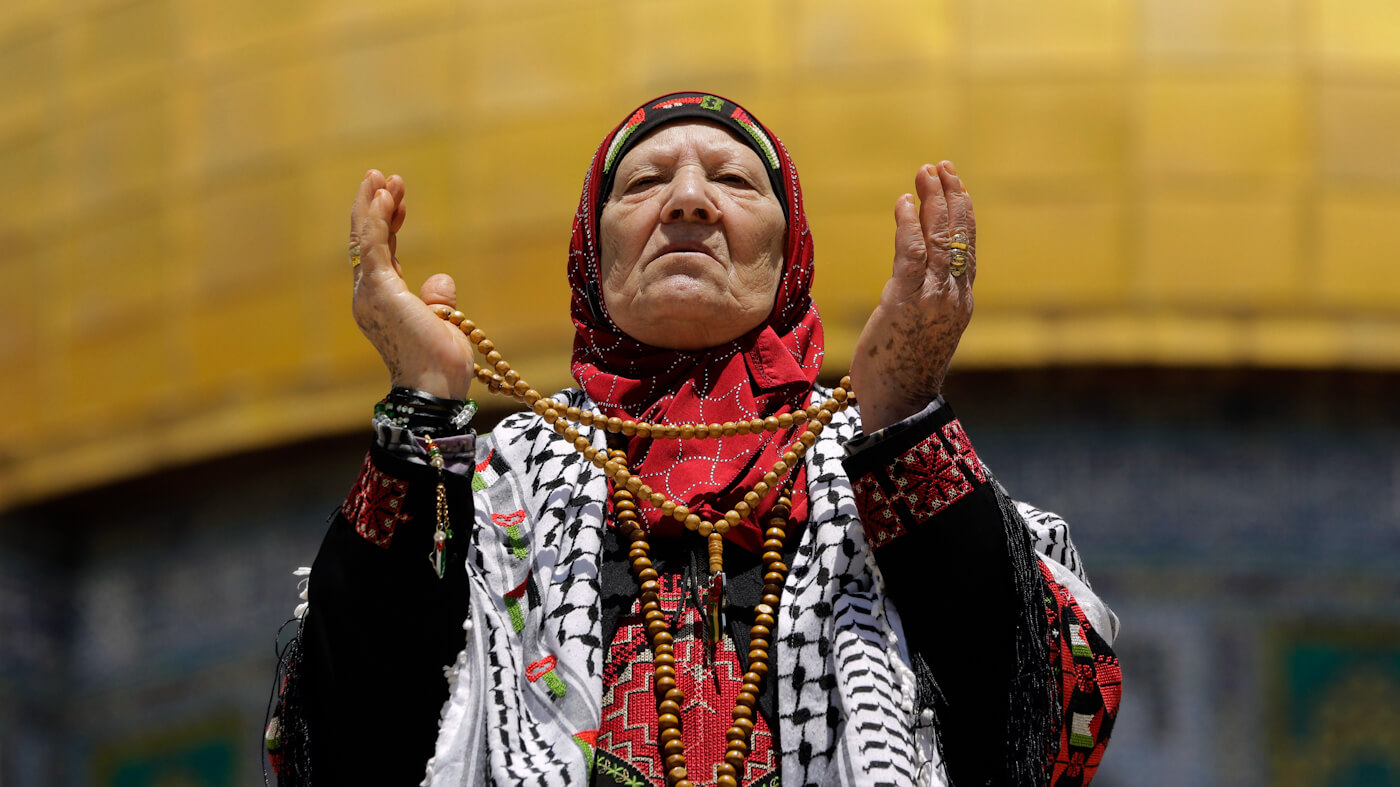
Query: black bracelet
[(424, 414)]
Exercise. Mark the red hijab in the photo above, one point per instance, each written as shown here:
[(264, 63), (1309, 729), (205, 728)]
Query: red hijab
[(767, 371)]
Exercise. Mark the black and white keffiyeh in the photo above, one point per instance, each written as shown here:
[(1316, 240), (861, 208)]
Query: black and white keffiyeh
[(524, 693)]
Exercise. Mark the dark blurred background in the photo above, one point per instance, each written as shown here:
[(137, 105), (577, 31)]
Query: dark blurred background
[(1187, 338)]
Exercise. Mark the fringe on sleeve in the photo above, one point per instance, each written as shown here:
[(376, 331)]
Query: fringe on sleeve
[(1033, 727), (287, 735)]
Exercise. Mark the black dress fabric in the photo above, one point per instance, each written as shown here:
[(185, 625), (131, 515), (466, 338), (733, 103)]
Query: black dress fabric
[(382, 626)]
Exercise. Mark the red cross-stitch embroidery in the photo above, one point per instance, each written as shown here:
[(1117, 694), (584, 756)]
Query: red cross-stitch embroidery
[(375, 505), (962, 447), (1076, 764), (710, 679), (1091, 685), (927, 480), (1084, 678), (881, 524), (918, 484)]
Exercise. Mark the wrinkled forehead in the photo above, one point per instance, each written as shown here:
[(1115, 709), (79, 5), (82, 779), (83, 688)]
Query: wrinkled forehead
[(667, 143), (681, 107)]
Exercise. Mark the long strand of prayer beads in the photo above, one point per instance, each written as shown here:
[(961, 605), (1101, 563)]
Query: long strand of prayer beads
[(670, 696), (501, 379), (559, 416), (628, 489)]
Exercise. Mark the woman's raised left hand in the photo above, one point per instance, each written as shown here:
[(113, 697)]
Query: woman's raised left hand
[(903, 354)]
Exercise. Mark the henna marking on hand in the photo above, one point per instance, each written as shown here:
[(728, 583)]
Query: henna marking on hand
[(931, 338), (384, 342)]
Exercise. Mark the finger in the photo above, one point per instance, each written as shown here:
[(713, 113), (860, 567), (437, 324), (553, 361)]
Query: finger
[(400, 213), (910, 247), (959, 201), (439, 289), (960, 217), (372, 234), (933, 210), (359, 213), (368, 185), (395, 185)]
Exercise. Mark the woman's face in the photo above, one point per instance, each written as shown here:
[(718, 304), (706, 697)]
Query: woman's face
[(691, 239)]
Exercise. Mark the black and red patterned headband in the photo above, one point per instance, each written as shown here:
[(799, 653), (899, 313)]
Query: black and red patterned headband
[(700, 106)]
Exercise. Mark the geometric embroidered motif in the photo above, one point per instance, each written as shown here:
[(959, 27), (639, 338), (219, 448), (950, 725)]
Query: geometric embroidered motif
[(1079, 733), (1091, 687), (710, 675), (962, 448), (917, 484), (927, 480), (1077, 644), (881, 523), (375, 505)]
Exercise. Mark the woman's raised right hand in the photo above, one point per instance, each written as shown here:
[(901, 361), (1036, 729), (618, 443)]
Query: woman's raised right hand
[(420, 349)]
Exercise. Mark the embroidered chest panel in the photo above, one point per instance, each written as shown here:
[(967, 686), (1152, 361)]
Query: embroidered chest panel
[(627, 753)]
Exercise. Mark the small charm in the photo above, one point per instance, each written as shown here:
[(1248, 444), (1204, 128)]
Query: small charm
[(714, 604), (438, 557)]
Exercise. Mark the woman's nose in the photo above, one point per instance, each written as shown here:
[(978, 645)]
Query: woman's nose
[(690, 198)]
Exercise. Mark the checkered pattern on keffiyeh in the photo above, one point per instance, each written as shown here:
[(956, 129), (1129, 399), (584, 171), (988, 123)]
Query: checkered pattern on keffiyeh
[(849, 711), (846, 698)]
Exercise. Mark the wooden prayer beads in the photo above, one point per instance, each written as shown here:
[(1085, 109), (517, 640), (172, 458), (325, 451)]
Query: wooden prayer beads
[(500, 379), (559, 416), (628, 489), (669, 695)]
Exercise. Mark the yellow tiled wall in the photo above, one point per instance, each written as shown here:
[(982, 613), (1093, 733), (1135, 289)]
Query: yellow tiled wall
[(1158, 181)]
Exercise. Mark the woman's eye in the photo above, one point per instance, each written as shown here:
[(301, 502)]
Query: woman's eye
[(734, 180), (643, 183)]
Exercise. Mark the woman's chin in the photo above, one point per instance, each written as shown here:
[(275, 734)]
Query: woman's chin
[(689, 321), (681, 335)]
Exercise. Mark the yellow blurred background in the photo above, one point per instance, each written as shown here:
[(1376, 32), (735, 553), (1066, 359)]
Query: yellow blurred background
[(1187, 335), (1161, 182)]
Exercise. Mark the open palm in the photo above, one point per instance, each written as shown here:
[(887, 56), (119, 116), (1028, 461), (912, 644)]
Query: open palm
[(903, 353)]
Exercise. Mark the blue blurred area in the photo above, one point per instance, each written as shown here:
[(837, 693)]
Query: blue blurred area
[(1245, 525)]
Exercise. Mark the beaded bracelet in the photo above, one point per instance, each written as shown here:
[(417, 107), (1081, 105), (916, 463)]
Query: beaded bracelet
[(425, 414)]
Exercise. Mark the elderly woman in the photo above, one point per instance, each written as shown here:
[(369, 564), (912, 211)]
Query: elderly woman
[(699, 567)]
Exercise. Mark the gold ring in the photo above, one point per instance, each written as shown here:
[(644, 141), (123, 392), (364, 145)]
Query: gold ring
[(958, 252), (355, 256), (958, 263)]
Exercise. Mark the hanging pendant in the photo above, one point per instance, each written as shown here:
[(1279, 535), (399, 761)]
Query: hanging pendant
[(690, 590), (438, 557), (714, 599), (714, 607)]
